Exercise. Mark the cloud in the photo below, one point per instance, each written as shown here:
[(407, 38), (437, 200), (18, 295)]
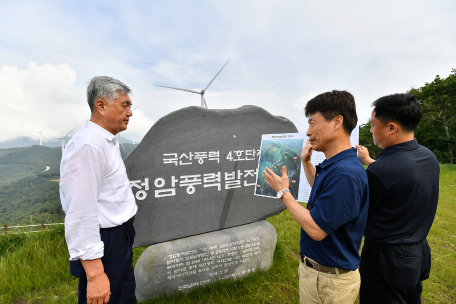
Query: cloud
[(47, 96), (178, 74), (279, 52), (302, 100), (38, 97)]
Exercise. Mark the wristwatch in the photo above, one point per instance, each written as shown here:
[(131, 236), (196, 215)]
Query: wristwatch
[(281, 193)]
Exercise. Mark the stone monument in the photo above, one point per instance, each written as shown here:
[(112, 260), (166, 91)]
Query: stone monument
[(194, 176), (197, 260)]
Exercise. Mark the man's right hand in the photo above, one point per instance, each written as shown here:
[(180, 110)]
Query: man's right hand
[(98, 290), (98, 286), (307, 165), (306, 153), (363, 154)]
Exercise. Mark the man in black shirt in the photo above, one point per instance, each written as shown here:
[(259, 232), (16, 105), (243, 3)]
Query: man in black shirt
[(403, 196)]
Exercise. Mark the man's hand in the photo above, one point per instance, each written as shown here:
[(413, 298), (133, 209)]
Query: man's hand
[(363, 153), (276, 182), (98, 290), (98, 286), (300, 213), (309, 169), (306, 153)]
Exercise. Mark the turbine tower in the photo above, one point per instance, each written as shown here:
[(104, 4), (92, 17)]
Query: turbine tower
[(62, 138), (40, 134), (203, 101)]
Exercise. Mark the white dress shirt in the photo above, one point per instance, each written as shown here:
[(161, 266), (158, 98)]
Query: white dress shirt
[(94, 190)]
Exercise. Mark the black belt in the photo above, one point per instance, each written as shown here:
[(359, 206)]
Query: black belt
[(322, 268)]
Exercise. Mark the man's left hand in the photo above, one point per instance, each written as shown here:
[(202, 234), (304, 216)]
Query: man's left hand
[(276, 182)]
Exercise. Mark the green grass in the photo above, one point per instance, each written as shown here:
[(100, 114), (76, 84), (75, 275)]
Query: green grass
[(34, 267), (441, 286), (32, 261)]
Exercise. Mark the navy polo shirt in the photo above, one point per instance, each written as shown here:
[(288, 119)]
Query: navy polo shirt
[(338, 204)]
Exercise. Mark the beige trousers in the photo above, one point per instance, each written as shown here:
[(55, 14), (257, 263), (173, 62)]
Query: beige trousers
[(325, 288)]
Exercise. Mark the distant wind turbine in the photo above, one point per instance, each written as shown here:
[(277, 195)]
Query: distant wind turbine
[(62, 138), (40, 134), (203, 101)]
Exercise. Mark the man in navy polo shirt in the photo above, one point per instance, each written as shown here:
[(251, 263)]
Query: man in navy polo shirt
[(404, 191), (333, 222)]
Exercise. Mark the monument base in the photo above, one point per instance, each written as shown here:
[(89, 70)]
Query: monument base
[(199, 260)]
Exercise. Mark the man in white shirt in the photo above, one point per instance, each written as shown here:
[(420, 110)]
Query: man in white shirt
[(97, 199)]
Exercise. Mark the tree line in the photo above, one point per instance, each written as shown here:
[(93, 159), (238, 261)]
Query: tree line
[(437, 127)]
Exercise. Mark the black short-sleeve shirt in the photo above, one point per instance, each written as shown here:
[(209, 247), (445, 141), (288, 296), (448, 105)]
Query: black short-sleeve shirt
[(403, 194)]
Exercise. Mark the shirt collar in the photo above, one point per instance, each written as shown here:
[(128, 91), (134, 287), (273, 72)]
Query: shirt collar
[(405, 146), (339, 156), (101, 131)]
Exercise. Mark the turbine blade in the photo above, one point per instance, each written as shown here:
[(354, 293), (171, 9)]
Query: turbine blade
[(135, 108), (204, 99), (178, 89), (216, 76), (70, 132), (44, 128)]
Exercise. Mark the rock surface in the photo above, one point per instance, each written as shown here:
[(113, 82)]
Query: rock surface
[(198, 260), (195, 172)]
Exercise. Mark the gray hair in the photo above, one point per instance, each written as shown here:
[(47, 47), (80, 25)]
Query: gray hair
[(106, 88)]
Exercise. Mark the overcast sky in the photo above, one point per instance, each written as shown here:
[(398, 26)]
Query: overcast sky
[(282, 53)]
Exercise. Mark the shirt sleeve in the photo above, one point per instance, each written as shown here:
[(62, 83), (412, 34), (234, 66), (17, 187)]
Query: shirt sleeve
[(338, 203), (377, 191), (80, 182)]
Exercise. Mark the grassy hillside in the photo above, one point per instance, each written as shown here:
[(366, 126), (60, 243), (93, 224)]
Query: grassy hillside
[(17, 163), (28, 193), (33, 196), (34, 267)]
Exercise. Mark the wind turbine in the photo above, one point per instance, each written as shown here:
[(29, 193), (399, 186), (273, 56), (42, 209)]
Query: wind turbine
[(40, 134), (62, 138), (203, 101)]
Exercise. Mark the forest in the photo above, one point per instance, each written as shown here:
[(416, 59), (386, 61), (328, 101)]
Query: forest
[(437, 127), (29, 184)]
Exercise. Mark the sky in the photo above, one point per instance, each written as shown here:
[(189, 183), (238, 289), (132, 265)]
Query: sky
[(282, 53)]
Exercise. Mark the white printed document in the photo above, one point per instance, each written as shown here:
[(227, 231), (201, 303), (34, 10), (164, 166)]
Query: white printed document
[(279, 150)]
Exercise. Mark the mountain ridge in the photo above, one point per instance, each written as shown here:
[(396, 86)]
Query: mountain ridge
[(27, 189)]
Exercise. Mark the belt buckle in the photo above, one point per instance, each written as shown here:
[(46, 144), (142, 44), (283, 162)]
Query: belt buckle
[(307, 261), (322, 268)]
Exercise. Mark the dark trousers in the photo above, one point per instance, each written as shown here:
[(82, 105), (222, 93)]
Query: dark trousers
[(393, 273), (117, 262)]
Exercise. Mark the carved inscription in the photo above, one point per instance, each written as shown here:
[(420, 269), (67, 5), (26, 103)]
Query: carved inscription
[(214, 262)]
